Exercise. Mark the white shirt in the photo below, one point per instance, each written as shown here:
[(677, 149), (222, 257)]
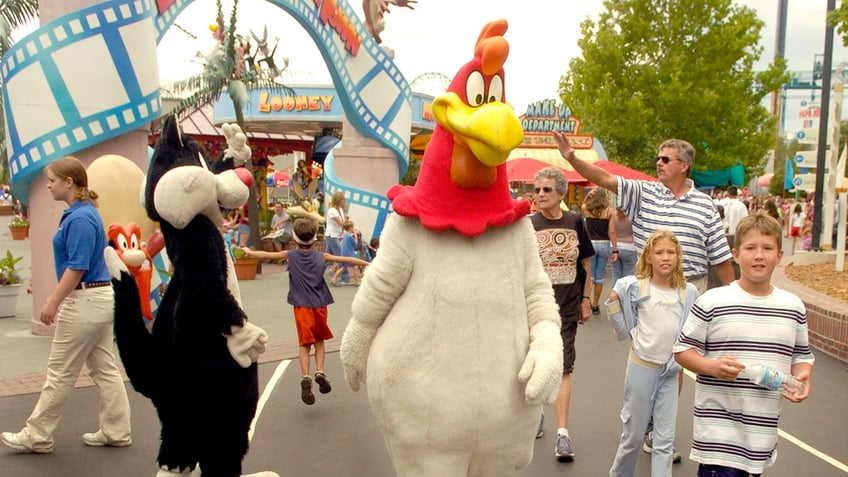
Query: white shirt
[(333, 228), (734, 212), (659, 322)]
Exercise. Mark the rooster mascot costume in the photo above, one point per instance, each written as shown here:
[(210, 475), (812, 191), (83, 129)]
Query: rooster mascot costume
[(198, 363), (455, 321)]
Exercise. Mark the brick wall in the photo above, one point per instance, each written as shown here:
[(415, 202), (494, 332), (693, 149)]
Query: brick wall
[(827, 317)]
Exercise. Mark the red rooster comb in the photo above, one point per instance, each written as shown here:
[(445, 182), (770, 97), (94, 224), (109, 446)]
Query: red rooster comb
[(492, 48), (462, 184)]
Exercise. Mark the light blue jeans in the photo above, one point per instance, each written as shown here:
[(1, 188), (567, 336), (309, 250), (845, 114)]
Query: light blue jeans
[(625, 265), (603, 251), (647, 392)]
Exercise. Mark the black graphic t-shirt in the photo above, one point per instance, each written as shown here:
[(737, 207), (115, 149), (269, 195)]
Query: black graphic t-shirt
[(563, 243)]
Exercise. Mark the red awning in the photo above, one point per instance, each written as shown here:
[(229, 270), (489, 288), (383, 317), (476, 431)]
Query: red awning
[(524, 170), (624, 171)]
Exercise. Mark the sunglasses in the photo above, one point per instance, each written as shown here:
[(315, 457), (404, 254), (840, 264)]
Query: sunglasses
[(664, 159), (547, 189)]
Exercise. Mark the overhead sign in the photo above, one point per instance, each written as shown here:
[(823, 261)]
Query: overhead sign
[(808, 136), (548, 115), (805, 182), (806, 159)]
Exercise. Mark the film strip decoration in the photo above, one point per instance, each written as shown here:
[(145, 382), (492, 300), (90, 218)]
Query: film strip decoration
[(50, 105), (371, 210), (376, 97), (167, 16)]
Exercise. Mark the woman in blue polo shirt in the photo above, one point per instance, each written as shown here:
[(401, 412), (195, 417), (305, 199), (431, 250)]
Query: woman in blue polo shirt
[(81, 306)]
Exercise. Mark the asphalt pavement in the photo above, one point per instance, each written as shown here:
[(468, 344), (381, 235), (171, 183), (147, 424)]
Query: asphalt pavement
[(338, 435)]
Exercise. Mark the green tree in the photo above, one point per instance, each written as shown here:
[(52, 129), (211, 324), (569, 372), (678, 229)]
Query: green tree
[(225, 69), (13, 14), (839, 19), (653, 70)]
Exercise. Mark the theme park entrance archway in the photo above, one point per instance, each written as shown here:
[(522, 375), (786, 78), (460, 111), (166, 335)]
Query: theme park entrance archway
[(114, 39), (86, 83)]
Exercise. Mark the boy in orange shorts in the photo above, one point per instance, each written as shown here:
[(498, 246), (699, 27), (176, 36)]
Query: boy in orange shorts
[(309, 294)]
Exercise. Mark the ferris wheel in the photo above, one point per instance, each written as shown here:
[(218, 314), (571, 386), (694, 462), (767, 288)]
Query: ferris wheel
[(432, 83)]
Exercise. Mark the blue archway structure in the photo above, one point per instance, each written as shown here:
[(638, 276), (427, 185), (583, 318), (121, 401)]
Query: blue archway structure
[(51, 111)]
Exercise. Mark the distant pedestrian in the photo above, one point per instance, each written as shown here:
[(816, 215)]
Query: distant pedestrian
[(797, 221), (349, 246), (599, 217), (626, 263), (310, 296), (82, 307)]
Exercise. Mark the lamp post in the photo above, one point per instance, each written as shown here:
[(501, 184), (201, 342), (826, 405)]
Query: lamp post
[(821, 160)]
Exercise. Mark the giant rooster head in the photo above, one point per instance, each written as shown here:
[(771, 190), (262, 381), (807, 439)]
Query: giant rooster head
[(462, 184)]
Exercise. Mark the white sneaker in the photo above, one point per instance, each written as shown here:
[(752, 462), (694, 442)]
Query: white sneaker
[(12, 440), (97, 439)]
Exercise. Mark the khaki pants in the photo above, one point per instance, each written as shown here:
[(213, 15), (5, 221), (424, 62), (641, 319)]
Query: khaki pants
[(83, 336), (700, 283)]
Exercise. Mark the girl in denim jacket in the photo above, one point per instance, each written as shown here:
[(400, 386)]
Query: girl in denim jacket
[(650, 309)]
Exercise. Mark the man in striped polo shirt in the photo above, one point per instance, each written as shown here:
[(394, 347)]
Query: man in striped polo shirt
[(673, 204)]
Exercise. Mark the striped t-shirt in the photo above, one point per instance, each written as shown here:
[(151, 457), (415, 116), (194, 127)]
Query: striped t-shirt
[(693, 218), (735, 422)]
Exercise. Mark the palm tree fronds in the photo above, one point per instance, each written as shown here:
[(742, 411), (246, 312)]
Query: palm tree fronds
[(18, 12)]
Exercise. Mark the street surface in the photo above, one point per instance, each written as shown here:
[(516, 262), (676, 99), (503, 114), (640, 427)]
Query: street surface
[(338, 435)]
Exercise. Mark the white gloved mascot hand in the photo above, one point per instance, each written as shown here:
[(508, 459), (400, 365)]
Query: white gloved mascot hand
[(542, 368), (356, 344), (246, 343), (114, 263), (237, 147)]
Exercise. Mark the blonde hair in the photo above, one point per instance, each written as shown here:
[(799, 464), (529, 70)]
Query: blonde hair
[(644, 269), (336, 200), (70, 166)]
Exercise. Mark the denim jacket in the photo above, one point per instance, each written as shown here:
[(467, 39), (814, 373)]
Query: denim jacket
[(623, 315)]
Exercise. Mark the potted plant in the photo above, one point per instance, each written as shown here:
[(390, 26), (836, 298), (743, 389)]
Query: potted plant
[(10, 284), (245, 266), (19, 228)]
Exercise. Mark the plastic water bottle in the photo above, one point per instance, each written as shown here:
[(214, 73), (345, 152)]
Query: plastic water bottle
[(773, 379)]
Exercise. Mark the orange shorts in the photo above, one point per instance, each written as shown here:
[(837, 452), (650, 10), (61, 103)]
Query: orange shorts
[(311, 325)]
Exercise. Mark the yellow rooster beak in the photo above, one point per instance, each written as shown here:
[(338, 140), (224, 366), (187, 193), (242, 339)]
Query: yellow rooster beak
[(490, 132)]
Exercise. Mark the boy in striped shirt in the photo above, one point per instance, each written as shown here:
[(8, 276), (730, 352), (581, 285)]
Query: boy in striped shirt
[(747, 322)]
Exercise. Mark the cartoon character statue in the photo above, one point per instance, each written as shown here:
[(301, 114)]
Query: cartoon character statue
[(375, 12), (138, 257), (198, 362), (455, 329)]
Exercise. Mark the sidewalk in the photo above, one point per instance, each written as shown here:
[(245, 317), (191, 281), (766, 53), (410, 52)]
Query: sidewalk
[(24, 356)]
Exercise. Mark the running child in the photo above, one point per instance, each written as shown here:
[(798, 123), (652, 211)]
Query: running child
[(309, 294)]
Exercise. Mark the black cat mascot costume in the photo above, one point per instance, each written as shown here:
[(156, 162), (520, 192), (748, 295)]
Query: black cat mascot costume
[(197, 364)]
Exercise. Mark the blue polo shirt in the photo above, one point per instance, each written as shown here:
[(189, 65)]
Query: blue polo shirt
[(79, 243)]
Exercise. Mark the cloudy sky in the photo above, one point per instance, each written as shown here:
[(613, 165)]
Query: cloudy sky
[(439, 35)]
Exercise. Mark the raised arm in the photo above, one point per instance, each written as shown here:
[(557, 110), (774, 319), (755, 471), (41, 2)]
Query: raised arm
[(588, 170)]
